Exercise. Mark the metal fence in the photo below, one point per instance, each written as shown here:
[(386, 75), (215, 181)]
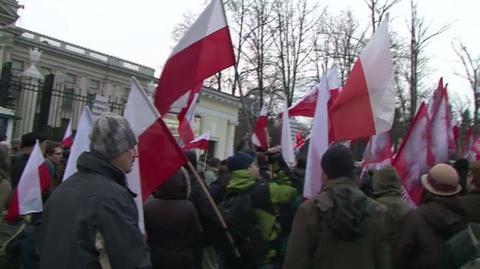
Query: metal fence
[(45, 105)]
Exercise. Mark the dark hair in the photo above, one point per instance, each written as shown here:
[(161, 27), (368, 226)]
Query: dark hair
[(337, 162), (50, 147)]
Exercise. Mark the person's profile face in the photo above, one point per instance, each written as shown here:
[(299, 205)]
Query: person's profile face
[(125, 160)]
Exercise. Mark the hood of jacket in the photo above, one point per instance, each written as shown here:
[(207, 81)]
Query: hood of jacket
[(240, 181), (444, 214), (177, 187), (344, 208), (90, 162), (386, 182)]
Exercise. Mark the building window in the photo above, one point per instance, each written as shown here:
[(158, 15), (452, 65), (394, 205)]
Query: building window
[(90, 99), (67, 103), (17, 65), (94, 86), (71, 79), (45, 71)]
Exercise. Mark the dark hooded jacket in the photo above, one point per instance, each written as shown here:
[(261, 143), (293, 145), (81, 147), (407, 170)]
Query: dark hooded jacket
[(340, 228), (172, 225), (424, 231), (471, 204), (94, 201)]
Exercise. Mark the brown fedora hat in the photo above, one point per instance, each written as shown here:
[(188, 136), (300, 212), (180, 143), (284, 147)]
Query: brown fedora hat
[(442, 180)]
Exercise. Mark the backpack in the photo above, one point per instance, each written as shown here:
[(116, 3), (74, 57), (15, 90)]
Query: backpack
[(239, 215)]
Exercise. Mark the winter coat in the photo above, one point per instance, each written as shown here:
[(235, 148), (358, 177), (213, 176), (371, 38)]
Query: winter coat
[(471, 204), (172, 225), (19, 162), (5, 189), (424, 231), (340, 228), (93, 203)]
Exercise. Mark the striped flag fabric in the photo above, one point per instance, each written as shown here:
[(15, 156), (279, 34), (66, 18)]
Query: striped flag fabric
[(205, 49)]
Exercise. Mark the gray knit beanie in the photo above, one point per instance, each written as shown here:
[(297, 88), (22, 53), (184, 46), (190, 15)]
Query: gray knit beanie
[(111, 136)]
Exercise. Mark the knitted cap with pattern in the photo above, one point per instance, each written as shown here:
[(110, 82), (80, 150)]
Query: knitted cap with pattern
[(111, 136)]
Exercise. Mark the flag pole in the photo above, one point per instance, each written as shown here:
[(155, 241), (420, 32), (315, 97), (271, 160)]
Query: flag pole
[(215, 208), (205, 161)]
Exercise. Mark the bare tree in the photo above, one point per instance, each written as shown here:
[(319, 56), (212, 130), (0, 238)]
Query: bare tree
[(420, 37), (378, 9), (338, 42), (292, 28), (471, 72)]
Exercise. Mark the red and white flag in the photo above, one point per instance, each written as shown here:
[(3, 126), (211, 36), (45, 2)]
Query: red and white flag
[(186, 117), (305, 107), (204, 50), (157, 148), (68, 136), (411, 160), (200, 142), (286, 139), (35, 179), (378, 152), (159, 155), (319, 135), (440, 135), (366, 104), (471, 147), (260, 135), (81, 142)]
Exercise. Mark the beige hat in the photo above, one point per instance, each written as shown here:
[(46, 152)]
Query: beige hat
[(442, 180)]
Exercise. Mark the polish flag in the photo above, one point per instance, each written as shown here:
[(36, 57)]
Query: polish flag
[(286, 139), (186, 117), (440, 136), (159, 156), (366, 104), (378, 152), (411, 160), (200, 142), (260, 135), (68, 136), (81, 142), (35, 180), (319, 138), (205, 49), (157, 148), (305, 107)]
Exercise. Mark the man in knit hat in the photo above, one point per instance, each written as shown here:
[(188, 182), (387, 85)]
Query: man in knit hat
[(90, 220), (341, 227)]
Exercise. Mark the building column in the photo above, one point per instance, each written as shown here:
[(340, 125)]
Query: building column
[(27, 105)]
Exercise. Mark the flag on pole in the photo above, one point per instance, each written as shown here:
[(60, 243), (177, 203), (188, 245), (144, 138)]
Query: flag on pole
[(318, 142), (67, 140), (260, 135), (366, 104), (304, 107), (204, 50), (378, 152), (81, 142), (157, 148), (286, 139), (411, 160), (35, 179), (186, 117), (440, 135), (200, 142)]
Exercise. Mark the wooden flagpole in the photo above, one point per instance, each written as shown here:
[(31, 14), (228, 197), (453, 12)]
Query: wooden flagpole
[(215, 208)]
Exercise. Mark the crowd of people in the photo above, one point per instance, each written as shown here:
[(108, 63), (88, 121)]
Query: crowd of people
[(358, 220)]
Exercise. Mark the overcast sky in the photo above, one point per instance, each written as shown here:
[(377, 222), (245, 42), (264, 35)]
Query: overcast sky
[(141, 30)]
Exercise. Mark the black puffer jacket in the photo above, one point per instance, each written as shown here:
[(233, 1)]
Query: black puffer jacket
[(93, 200)]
